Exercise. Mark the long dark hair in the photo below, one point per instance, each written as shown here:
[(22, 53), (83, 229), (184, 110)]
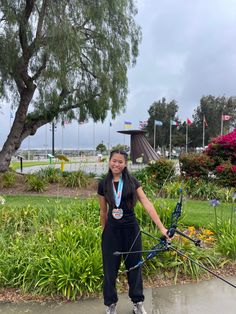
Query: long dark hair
[(128, 192)]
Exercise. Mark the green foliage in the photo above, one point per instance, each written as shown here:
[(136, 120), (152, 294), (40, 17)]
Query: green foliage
[(225, 231), (42, 249), (195, 165), (161, 170), (75, 179), (35, 183), (226, 174), (149, 185), (86, 76), (101, 148), (55, 249), (8, 179), (226, 239), (51, 174), (120, 147), (211, 107)]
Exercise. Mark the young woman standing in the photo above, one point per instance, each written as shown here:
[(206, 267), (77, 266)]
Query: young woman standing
[(118, 194)]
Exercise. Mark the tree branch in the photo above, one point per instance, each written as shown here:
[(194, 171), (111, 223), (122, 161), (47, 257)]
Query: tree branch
[(41, 68)]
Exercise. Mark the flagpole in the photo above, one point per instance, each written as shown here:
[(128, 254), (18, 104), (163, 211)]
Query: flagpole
[(154, 145), (108, 148), (78, 139), (62, 139), (170, 141), (203, 132), (221, 127), (46, 140), (94, 149), (186, 149)]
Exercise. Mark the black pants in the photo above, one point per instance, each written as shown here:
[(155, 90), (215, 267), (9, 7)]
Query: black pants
[(121, 239)]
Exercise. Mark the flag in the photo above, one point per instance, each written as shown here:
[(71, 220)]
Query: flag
[(205, 122), (157, 122), (226, 117), (189, 122), (127, 124), (172, 122), (143, 124)]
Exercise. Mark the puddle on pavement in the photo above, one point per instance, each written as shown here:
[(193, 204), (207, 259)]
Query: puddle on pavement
[(211, 297)]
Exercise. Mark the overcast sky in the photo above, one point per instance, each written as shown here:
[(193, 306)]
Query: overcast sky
[(188, 50)]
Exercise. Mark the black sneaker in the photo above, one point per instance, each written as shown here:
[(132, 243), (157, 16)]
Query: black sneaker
[(138, 308), (111, 309)]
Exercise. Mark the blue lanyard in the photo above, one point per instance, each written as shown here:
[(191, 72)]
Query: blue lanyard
[(118, 193)]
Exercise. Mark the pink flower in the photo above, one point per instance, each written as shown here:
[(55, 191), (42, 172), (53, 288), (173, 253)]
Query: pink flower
[(220, 168), (233, 168)]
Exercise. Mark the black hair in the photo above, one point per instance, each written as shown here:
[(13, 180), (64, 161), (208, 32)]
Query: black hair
[(128, 192)]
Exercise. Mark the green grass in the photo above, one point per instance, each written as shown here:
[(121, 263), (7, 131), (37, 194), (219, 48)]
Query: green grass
[(37, 201), (201, 213), (195, 213), (16, 164)]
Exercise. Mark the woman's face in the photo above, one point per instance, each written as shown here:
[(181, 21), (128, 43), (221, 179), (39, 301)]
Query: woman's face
[(117, 163)]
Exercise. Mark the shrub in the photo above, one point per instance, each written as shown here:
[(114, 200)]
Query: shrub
[(76, 179), (226, 174), (148, 183), (161, 171), (36, 183), (53, 175), (8, 179), (196, 165), (223, 148)]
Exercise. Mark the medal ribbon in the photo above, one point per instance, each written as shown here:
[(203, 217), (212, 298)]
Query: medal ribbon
[(118, 193)]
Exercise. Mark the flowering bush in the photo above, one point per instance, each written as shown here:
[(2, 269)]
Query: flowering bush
[(196, 165), (226, 174), (223, 148)]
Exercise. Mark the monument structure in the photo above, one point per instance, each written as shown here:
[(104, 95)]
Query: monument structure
[(140, 147)]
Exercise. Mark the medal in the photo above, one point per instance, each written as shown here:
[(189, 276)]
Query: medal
[(117, 212)]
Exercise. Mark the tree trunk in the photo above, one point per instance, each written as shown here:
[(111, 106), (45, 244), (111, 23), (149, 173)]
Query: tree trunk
[(15, 137)]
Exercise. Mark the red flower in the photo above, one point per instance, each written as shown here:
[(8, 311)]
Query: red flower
[(220, 168)]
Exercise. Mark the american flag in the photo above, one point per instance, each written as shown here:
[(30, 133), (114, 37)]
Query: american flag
[(143, 124)]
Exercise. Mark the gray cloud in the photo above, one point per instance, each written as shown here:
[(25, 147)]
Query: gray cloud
[(188, 50)]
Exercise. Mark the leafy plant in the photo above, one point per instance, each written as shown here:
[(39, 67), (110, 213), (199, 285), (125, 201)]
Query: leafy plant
[(8, 179), (161, 171), (76, 179), (36, 183), (53, 175), (226, 174)]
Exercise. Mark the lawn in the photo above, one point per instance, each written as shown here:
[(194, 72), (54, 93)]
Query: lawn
[(195, 213)]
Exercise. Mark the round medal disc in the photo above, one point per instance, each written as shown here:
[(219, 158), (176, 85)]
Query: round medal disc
[(117, 213)]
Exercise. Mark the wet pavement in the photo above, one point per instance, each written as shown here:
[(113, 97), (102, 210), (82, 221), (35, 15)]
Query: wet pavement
[(206, 297), (97, 168)]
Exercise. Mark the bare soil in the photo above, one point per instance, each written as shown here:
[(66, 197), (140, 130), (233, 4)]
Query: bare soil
[(53, 189)]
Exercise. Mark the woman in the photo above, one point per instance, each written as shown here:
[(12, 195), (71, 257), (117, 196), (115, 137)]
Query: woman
[(118, 194)]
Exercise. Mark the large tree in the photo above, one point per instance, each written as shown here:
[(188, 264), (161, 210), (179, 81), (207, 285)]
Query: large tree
[(212, 108), (164, 112), (62, 58)]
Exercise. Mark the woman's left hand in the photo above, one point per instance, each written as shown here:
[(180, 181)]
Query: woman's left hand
[(164, 231)]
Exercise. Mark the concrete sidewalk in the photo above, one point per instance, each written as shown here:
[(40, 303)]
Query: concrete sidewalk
[(207, 297)]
